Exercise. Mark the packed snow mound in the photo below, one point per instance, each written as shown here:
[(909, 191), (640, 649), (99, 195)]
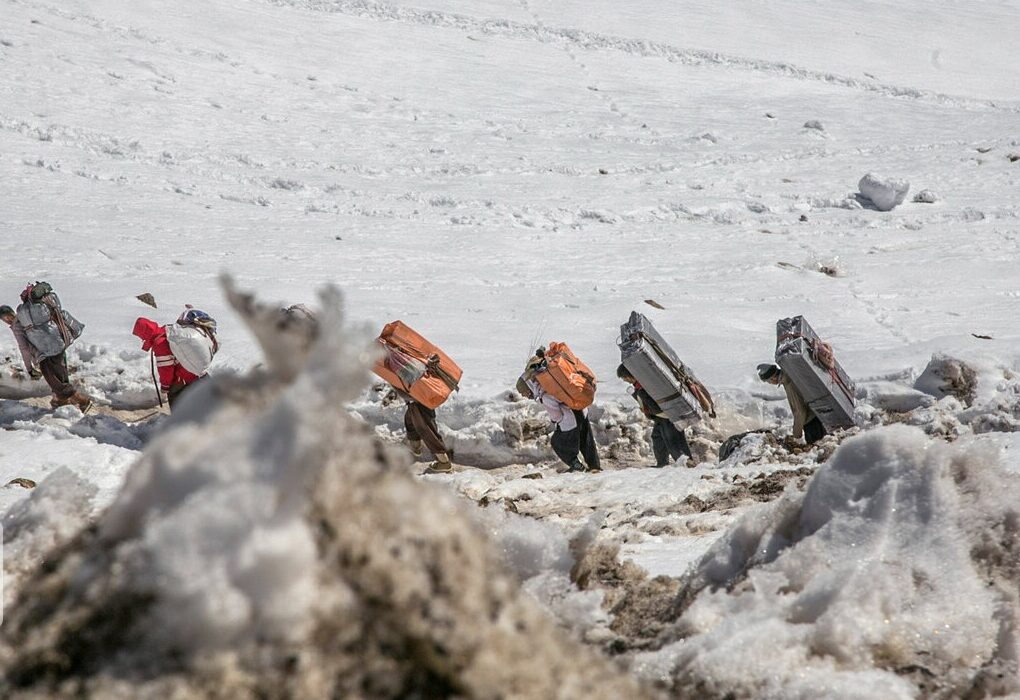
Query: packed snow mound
[(893, 576), (885, 193), (57, 509), (118, 379), (529, 547), (266, 544), (953, 397), (948, 376), (893, 396)]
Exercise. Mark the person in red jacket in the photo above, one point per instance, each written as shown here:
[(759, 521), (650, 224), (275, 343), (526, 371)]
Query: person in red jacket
[(173, 377)]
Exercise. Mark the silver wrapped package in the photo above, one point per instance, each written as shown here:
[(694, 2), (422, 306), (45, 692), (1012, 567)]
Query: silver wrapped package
[(828, 390), (657, 367), (41, 329)]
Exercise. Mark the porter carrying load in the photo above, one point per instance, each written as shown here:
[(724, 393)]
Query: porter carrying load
[(49, 328), (415, 366), (564, 377), (655, 365), (810, 364), (44, 331)]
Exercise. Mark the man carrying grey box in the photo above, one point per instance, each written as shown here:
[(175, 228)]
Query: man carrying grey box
[(822, 395), (805, 422)]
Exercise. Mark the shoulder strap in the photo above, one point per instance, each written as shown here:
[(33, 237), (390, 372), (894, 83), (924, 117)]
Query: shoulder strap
[(58, 318), (211, 336)]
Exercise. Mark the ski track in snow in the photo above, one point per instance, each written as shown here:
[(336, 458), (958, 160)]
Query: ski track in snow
[(877, 313), (881, 315), (591, 82), (591, 41)]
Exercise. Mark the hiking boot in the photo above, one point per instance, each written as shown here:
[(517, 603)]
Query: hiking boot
[(57, 401), (442, 465), (83, 402), (415, 446), (575, 466)]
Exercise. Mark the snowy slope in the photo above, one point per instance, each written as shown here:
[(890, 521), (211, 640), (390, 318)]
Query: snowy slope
[(444, 168), (501, 174)]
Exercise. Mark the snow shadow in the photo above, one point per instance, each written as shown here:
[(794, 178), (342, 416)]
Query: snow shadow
[(67, 422)]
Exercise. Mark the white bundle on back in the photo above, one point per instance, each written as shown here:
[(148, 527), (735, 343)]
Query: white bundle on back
[(192, 347)]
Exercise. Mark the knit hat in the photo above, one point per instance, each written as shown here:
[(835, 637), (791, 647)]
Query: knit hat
[(534, 362), (767, 371), (195, 317)]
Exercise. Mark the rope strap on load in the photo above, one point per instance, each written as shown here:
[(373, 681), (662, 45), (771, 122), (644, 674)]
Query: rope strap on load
[(822, 354), (680, 373), (433, 367), (430, 365)]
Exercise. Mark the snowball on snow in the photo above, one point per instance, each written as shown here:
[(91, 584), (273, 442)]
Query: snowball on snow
[(885, 194)]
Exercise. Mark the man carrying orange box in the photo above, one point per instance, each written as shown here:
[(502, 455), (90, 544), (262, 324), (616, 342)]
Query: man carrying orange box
[(424, 376)]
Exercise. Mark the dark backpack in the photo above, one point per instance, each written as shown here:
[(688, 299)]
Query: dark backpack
[(39, 290), (731, 443)]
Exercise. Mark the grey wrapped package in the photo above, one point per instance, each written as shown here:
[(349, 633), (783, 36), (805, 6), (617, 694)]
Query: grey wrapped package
[(41, 328), (657, 367), (828, 390)]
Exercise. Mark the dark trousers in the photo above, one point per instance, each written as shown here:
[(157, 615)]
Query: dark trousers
[(668, 442), (54, 371), (814, 431), (420, 423), (173, 394), (567, 444)]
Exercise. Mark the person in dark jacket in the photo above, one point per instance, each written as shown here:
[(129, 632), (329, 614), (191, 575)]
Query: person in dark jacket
[(805, 422), (668, 442)]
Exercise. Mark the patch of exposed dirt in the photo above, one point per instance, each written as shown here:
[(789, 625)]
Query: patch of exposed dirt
[(640, 605), (766, 487)]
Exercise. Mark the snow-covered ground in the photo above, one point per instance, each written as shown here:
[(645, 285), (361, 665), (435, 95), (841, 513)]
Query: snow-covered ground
[(503, 174)]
